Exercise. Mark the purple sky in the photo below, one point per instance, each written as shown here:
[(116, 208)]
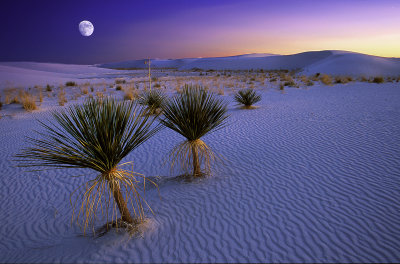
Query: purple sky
[(39, 30)]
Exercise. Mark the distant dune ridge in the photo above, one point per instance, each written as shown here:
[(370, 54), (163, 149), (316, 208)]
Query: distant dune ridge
[(328, 61), (307, 63)]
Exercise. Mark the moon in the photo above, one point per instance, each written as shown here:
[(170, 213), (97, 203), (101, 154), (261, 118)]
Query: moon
[(86, 28)]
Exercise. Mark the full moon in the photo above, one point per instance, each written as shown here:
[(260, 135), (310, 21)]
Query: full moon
[(86, 28)]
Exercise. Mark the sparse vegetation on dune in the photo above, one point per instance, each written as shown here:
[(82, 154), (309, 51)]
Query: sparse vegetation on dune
[(70, 83), (12, 95), (62, 99), (68, 142), (247, 98), (28, 101), (120, 81), (131, 94), (193, 114), (84, 90), (378, 79), (326, 79), (343, 79), (99, 95)]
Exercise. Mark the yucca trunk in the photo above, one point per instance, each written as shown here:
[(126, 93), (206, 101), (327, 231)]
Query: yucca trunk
[(119, 199), (196, 163)]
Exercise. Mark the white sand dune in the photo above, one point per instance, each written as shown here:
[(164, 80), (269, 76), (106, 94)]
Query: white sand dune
[(356, 64), (329, 62), (310, 176), (34, 73)]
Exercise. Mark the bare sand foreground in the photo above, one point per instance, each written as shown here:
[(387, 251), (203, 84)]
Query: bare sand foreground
[(311, 175)]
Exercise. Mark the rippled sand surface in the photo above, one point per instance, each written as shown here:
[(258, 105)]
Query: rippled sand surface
[(310, 176)]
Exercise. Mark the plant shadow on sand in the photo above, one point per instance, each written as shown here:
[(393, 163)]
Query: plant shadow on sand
[(136, 229), (182, 178)]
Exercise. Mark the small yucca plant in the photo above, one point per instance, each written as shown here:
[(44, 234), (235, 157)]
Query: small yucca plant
[(193, 114), (153, 100), (247, 97), (96, 135)]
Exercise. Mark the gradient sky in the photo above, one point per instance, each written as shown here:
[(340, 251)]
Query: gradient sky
[(47, 31)]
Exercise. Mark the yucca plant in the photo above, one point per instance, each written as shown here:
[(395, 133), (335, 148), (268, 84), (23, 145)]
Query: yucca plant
[(247, 97), (96, 135), (153, 100), (193, 114)]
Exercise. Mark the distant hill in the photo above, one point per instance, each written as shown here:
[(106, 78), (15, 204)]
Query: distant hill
[(328, 61)]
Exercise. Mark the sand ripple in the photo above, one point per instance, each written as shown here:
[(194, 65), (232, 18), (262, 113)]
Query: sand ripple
[(310, 176)]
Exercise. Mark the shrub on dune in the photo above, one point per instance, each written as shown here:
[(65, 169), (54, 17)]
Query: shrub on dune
[(130, 94), (310, 83), (326, 79), (28, 101), (378, 79), (96, 135), (193, 114), (120, 81), (343, 79), (62, 99), (247, 97), (71, 84)]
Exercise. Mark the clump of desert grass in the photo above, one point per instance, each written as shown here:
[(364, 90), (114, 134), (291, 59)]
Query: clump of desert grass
[(193, 114), (247, 98), (84, 90), (343, 79), (97, 135), (49, 88), (28, 101), (315, 77), (288, 80), (62, 99), (70, 83), (99, 95), (120, 81), (326, 79), (12, 95), (131, 94), (153, 100), (378, 79)]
